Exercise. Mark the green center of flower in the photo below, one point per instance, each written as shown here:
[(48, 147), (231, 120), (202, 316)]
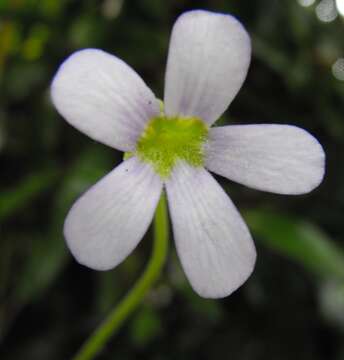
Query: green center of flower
[(166, 140)]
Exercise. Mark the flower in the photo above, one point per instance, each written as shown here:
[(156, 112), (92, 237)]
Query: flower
[(100, 95)]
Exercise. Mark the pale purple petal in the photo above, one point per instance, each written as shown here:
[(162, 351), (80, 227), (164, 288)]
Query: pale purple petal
[(213, 243), (276, 158), (108, 221), (103, 97), (207, 63)]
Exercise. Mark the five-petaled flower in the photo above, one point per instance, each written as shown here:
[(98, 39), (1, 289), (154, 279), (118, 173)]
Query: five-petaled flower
[(208, 59)]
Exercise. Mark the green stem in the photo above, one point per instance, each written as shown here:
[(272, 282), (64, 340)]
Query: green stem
[(130, 302)]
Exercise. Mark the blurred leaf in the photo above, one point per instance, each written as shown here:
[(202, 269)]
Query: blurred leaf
[(45, 257), (23, 78), (299, 240), (145, 326), (9, 40), (86, 31), (51, 8), (88, 168), (2, 131), (37, 262), (22, 194), (273, 58), (210, 309), (33, 46), (109, 291)]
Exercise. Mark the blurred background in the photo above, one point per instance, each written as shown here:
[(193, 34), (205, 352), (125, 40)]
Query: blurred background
[(292, 307)]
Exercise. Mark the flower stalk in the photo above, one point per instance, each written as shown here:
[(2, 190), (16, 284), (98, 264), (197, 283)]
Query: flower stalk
[(131, 301)]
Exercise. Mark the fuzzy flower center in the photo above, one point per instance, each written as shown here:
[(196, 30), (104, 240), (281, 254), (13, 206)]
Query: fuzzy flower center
[(166, 140)]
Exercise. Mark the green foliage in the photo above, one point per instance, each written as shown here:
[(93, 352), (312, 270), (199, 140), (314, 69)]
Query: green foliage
[(145, 327), (22, 194), (298, 240), (40, 269)]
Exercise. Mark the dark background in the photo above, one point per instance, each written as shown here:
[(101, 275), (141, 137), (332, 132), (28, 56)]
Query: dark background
[(292, 307)]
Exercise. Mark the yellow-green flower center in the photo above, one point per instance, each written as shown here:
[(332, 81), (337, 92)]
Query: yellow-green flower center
[(166, 140)]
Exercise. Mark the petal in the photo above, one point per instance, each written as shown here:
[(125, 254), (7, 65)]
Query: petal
[(277, 158), (207, 63), (103, 97), (214, 245), (108, 221)]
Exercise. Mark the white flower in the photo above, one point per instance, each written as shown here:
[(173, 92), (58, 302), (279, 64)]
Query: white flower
[(103, 97)]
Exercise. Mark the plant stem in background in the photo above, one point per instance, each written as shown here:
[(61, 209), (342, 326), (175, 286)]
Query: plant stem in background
[(124, 309)]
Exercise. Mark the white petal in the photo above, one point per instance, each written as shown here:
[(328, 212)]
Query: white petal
[(103, 97), (213, 242), (277, 158), (108, 221), (207, 63)]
